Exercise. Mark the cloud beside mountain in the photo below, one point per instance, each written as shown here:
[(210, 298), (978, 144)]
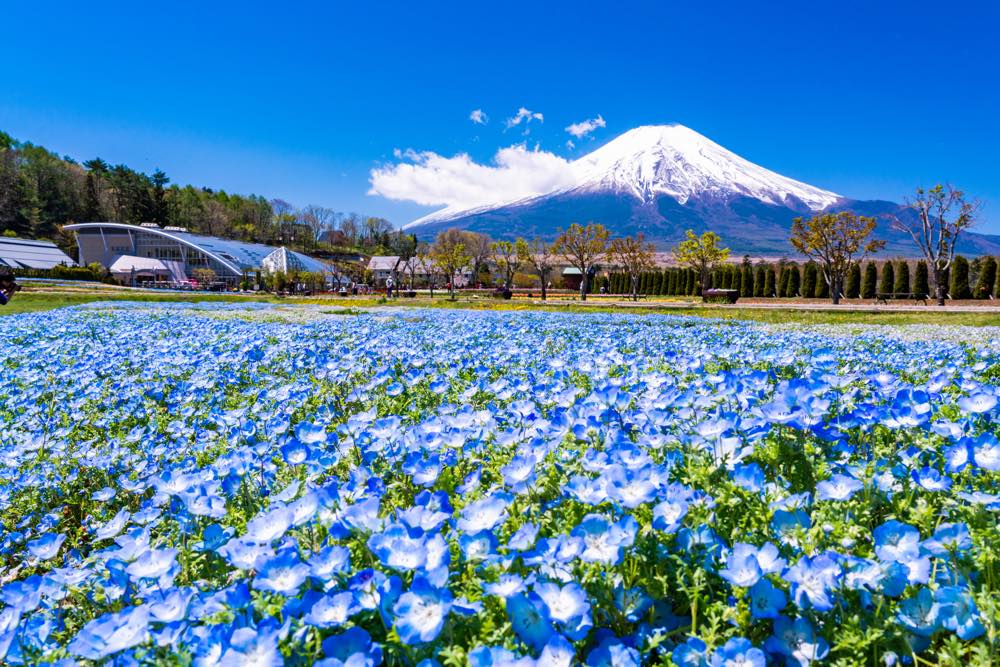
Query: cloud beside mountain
[(431, 179)]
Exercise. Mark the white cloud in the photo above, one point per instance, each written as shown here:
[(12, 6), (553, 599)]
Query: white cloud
[(570, 145), (524, 115), (435, 180), (479, 117), (585, 127)]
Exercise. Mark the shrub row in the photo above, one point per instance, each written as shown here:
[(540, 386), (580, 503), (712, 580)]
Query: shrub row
[(788, 279)]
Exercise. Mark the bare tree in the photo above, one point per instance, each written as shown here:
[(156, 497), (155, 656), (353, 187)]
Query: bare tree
[(539, 256), (450, 255), (509, 257), (425, 259), (837, 241), (318, 218), (583, 248), (942, 214), (350, 225), (635, 256), (480, 249), (404, 246)]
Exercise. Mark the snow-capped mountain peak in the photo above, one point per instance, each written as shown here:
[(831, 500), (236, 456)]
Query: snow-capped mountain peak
[(665, 160), (677, 161)]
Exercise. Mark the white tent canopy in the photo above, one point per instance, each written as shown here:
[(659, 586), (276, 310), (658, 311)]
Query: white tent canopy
[(127, 264)]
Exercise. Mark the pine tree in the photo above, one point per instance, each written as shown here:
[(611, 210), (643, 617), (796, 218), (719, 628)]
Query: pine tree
[(746, 280), (921, 282), (692, 282), (902, 282), (769, 282), (887, 279), (822, 290), (794, 282), (960, 279), (809, 279), (657, 282), (987, 276), (853, 288), (871, 279), (759, 279), (665, 282), (782, 285)]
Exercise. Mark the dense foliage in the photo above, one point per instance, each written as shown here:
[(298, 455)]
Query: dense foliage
[(233, 486), (40, 191)]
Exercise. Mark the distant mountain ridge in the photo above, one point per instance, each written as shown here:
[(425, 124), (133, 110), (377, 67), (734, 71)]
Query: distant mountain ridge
[(661, 180)]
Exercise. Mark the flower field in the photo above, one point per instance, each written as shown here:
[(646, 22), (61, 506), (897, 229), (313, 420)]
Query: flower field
[(235, 486)]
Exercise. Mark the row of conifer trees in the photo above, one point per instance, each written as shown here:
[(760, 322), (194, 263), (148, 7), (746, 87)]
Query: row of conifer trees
[(787, 280)]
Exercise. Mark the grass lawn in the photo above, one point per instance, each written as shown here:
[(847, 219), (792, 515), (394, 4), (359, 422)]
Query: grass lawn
[(35, 300)]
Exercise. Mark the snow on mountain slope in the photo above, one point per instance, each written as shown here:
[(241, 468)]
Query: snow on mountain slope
[(677, 161), (670, 160)]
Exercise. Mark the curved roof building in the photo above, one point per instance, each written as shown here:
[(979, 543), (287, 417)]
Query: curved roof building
[(18, 253), (182, 252)]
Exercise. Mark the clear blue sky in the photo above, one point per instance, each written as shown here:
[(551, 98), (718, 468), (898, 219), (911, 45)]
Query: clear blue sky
[(301, 100)]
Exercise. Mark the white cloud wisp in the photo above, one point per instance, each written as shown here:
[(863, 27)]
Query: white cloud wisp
[(524, 115), (585, 127), (479, 117)]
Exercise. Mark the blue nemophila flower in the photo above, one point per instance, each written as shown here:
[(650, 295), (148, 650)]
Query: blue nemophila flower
[(154, 564), (524, 538), (506, 586), (329, 561), (797, 641), (978, 402), (738, 652), (9, 619), (529, 617), (518, 474), (692, 653), (421, 612), (269, 526), (397, 548), (789, 524), (113, 526), (568, 605), (957, 612), (295, 452), (111, 633), (931, 479), (766, 601), (168, 606), (255, 646), (603, 540), (742, 569), (483, 514), (245, 554), (103, 495), (838, 487), (897, 542), (986, 452), (748, 476), (310, 433), (46, 546), (284, 573), (814, 581), (949, 538), (213, 537), (920, 614), (479, 546), (332, 610), (958, 456)]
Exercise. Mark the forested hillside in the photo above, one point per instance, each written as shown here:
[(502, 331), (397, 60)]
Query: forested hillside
[(40, 191)]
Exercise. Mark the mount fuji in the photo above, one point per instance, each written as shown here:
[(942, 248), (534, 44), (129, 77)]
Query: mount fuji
[(661, 180)]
